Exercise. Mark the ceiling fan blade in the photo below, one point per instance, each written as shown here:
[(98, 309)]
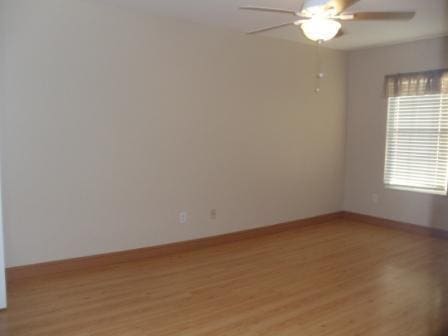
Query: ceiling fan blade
[(386, 16), (260, 30), (269, 9), (340, 5)]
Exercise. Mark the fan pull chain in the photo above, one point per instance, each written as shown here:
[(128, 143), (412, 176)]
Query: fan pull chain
[(319, 74)]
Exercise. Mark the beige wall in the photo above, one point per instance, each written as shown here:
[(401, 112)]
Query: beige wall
[(115, 121), (366, 127), (2, 250)]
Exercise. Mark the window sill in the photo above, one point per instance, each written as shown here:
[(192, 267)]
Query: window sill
[(416, 190)]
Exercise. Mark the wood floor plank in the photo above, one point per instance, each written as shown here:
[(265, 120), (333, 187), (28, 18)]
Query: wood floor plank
[(341, 278)]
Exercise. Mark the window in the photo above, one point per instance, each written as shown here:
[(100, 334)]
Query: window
[(417, 132)]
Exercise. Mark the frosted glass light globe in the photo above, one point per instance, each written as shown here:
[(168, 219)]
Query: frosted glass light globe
[(320, 29)]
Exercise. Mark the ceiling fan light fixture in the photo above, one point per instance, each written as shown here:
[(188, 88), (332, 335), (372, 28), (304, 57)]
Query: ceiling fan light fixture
[(320, 29)]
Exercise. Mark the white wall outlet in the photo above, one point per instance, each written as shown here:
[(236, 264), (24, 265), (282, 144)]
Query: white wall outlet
[(375, 198), (213, 214), (183, 217)]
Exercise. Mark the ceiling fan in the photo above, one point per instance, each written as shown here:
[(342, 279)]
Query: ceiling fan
[(320, 19)]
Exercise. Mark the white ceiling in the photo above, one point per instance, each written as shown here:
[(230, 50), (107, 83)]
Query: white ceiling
[(431, 19)]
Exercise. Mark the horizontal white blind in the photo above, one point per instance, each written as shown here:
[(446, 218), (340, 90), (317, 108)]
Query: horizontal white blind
[(417, 143)]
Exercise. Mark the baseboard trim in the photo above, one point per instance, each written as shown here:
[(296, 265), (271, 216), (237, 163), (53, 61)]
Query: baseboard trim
[(102, 260), (412, 228)]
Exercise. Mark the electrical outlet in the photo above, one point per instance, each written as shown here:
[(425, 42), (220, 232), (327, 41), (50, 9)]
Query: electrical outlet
[(183, 217), (375, 198), (213, 214)]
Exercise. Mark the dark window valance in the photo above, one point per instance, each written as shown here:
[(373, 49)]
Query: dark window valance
[(417, 83)]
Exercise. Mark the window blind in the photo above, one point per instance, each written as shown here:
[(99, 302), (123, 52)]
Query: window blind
[(417, 143)]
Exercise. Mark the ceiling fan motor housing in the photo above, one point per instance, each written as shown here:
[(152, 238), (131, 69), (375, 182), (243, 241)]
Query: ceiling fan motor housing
[(314, 6)]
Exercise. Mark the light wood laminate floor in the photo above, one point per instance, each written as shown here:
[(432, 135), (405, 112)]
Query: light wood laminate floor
[(340, 278)]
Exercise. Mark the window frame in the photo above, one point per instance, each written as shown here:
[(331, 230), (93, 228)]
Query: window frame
[(396, 187)]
